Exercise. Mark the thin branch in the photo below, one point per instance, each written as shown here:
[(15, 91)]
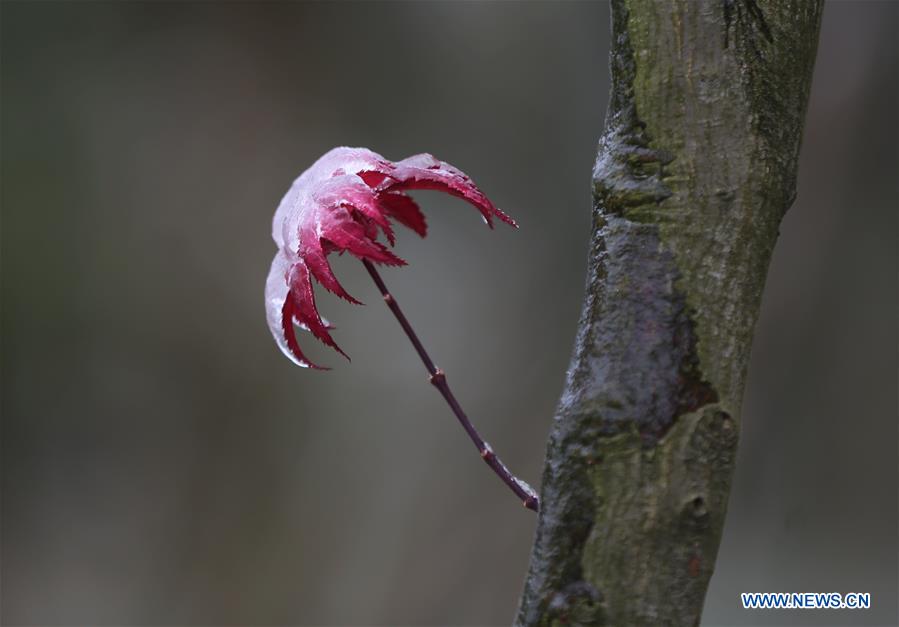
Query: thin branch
[(438, 379)]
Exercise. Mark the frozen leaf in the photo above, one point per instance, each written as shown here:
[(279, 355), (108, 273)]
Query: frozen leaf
[(344, 203)]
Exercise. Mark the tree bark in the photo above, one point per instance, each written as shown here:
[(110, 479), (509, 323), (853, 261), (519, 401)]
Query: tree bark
[(695, 169)]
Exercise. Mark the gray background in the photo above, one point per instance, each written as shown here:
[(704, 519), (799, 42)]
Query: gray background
[(162, 463)]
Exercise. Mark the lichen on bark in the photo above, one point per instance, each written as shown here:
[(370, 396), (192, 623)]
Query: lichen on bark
[(694, 171)]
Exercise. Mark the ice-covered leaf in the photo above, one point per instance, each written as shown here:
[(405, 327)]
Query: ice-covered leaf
[(345, 202)]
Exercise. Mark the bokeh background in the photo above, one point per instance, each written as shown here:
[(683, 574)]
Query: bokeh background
[(163, 464)]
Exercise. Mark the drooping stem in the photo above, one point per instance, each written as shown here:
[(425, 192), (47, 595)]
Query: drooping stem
[(438, 379)]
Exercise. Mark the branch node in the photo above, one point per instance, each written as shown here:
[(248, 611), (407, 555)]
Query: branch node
[(437, 379)]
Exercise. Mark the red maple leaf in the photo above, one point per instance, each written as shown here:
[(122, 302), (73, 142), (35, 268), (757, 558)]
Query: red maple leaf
[(343, 203)]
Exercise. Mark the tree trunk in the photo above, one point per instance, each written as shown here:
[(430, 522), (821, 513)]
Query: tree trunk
[(696, 168)]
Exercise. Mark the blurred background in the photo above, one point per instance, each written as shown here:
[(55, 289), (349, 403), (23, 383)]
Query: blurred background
[(163, 463)]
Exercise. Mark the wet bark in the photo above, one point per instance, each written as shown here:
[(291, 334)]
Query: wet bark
[(695, 169)]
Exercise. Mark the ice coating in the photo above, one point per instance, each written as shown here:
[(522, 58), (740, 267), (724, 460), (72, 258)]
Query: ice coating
[(342, 203), (522, 489), (525, 487)]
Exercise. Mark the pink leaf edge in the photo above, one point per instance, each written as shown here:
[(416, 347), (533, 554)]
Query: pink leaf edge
[(342, 203)]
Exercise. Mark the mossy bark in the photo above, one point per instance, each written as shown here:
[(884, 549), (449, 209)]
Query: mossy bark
[(696, 168)]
